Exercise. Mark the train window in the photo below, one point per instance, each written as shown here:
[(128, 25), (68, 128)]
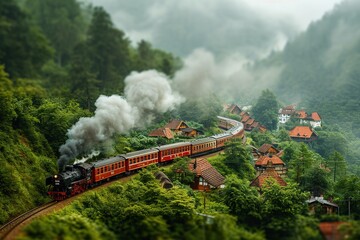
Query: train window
[(102, 170), (112, 167), (97, 171), (130, 161)]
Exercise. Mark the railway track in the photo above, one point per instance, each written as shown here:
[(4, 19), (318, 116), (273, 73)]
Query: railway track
[(8, 227)]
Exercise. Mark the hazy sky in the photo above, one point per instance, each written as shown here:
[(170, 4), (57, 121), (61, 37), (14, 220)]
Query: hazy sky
[(251, 28)]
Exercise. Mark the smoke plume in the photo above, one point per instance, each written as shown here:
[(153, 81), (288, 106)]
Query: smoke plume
[(145, 94)]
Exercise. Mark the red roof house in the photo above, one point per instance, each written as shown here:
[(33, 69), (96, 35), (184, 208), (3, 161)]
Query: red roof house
[(269, 173), (303, 134), (271, 161)]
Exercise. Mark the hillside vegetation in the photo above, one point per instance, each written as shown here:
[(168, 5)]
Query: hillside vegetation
[(58, 56)]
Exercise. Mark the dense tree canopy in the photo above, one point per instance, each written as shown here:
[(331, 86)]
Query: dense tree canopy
[(266, 110), (24, 49)]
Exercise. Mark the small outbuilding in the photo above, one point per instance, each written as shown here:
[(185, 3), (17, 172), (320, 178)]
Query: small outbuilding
[(324, 206)]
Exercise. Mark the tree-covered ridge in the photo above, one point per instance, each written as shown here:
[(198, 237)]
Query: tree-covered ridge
[(320, 67)]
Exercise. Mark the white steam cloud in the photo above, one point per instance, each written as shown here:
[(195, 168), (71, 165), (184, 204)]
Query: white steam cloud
[(145, 94), (230, 78)]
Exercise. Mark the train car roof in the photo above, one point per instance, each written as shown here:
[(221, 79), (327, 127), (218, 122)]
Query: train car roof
[(202, 140), (107, 161), (221, 135), (168, 146), (140, 153)]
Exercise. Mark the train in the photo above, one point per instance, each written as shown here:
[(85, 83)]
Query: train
[(79, 177)]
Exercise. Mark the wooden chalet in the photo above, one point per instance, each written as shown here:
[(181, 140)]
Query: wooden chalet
[(179, 127), (206, 176), (303, 134), (234, 109), (270, 162), (176, 125), (190, 132), (161, 132), (264, 176), (268, 149), (326, 207)]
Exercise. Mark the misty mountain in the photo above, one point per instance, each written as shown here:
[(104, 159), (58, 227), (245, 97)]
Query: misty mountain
[(320, 68)]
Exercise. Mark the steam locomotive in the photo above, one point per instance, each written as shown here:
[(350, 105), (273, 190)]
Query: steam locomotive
[(79, 177)]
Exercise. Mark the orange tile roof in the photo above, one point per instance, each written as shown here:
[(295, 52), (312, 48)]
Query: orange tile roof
[(315, 116), (301, 114), (162, 132), (301, 132), (206, 171), (267, 174), (268, 160)]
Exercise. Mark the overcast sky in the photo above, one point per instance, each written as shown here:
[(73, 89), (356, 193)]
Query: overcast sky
[(251, 28)]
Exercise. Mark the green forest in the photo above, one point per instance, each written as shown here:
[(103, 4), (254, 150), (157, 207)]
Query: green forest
[(58, 56)]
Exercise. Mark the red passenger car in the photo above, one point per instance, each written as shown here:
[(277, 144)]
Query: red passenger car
[(171, 151), (140, 159), (202, 145), (105, 169)]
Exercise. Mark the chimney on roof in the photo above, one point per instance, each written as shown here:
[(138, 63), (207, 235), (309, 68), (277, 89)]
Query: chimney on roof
[(195, 164)]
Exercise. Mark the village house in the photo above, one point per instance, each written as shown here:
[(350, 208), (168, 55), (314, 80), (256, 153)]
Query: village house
[(321, 205), (269, 149), (303, 134), (288, 112), (265, 176), (270, 162), (174, 127), (313, 119), (179, 127), (162, 132), (285, 113), (206, 176)]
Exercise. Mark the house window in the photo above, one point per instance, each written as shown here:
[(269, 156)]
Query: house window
[(202, 182)]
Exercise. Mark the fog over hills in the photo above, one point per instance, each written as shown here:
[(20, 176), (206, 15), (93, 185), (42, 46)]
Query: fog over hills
[(251, 28), (220, 37)]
